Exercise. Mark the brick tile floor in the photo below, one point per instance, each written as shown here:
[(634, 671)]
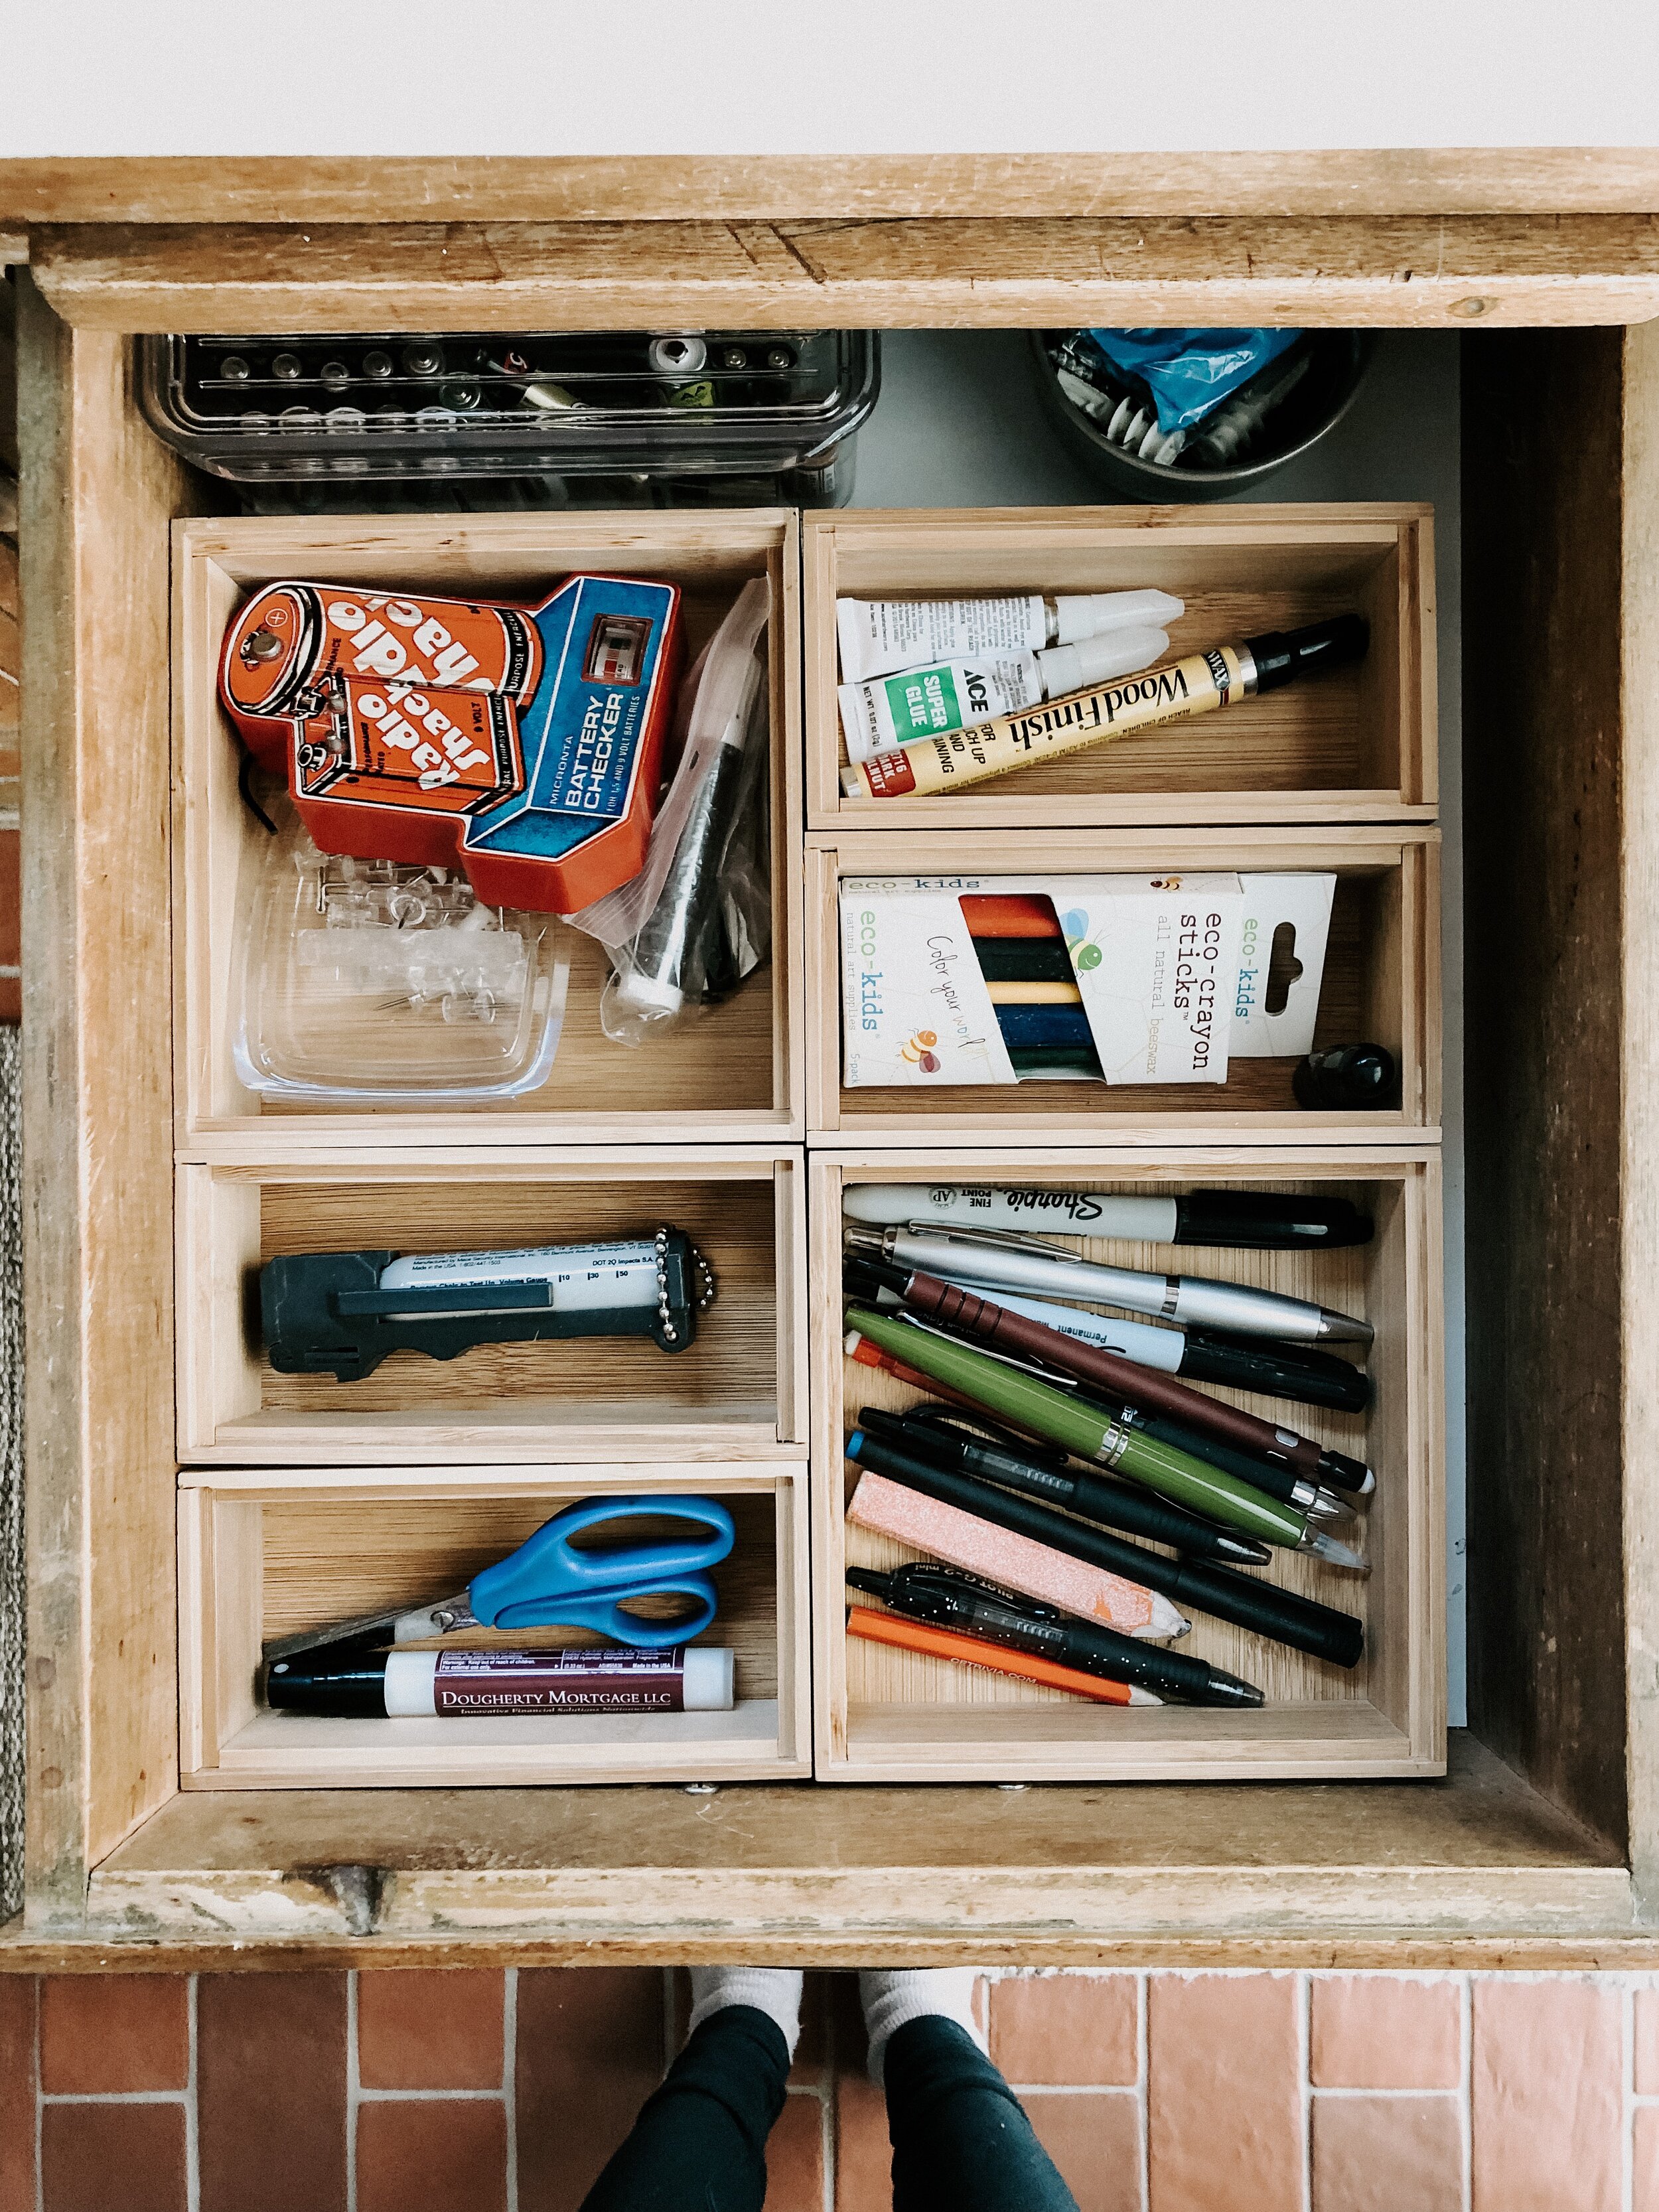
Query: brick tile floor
[(489, 2092)]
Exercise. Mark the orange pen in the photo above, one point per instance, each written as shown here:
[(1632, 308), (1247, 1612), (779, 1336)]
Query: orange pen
[(972, 1651)]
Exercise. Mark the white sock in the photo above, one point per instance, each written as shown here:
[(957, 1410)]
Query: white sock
[(891, 1999), (774, 1991)]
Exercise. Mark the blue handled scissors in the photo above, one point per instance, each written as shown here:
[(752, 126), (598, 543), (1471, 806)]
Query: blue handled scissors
[(551, 1582)]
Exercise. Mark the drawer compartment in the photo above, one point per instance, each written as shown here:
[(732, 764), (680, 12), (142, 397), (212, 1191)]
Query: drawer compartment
[(1382, 985), (262, 1557), (731, 1074), (734, 1393), (891, 1716), (1357, 744)]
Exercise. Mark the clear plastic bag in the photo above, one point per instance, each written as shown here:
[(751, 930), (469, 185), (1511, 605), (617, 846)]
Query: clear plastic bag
[(1190, 371), (697, 919)]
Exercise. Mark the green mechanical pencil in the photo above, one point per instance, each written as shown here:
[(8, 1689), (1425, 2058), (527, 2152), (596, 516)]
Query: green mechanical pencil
[(1089, 1433)]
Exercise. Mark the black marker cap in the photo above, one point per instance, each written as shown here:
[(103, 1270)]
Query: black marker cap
[(346, 1683), (1283, 654), (1255, 1220), (865, 1279)]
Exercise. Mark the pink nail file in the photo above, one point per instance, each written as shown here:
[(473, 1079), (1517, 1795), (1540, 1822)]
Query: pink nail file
[(961, 1539)]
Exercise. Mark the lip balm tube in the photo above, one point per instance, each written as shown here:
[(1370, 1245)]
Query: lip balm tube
[(417, 1685), (920, 702), (879, 637), (1195, 685)]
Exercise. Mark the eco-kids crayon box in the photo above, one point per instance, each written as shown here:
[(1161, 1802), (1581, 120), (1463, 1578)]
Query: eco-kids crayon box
[(995, 979)]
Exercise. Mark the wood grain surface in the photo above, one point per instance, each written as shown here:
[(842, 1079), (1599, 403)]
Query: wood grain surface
[(1382, 985), (99, 491), (641, 188), (904, 273), (1639, 1103), (731, 1073), (1544, 738), (882, 1713)]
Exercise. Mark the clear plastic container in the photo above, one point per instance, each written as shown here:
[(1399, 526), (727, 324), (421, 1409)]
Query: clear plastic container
[(367, 982), (695, 408)]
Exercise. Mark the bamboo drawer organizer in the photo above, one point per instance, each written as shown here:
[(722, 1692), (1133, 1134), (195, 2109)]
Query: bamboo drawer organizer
[(181, 1507), (735, 1393), (262, 1556), (1382, 982), (887, 1715), (734, 1077), (252, 1186), (1359, 746)]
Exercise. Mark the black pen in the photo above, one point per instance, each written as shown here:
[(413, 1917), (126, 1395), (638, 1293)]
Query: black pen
[(1266, 1609), (950, 1599), (1313, 1498), (941, 1433), (1272, 1371)]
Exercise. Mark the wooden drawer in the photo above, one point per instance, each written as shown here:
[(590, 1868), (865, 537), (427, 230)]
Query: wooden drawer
[(735, 1393), (1382, 985), (888, 1716), (731, 1075), (1356, 746), (1537, 1846), (264, 1555)]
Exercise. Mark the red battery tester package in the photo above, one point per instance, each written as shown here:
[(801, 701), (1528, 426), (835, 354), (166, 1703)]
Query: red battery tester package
[(523, 744)]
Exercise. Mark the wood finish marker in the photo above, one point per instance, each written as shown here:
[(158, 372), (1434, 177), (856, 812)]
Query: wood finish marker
[(1195, 685)]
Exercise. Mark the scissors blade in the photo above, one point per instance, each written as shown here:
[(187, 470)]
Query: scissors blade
[(395, 1624)]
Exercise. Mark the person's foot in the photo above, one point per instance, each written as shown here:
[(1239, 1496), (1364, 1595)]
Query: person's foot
[(774, 1991), (890, 1999)]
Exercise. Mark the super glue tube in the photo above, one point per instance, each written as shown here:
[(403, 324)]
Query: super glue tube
[(879, 637), (358, 1684), (1197, 685), (921, 702)]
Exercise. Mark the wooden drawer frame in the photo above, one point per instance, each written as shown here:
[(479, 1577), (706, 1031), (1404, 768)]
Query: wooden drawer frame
[(1542, 1846)]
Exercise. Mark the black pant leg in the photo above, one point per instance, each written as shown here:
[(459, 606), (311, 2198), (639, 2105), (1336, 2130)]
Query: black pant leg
[(960, 2139), (699, 2144)]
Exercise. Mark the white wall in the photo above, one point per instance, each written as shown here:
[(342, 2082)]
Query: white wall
[(549, 76)]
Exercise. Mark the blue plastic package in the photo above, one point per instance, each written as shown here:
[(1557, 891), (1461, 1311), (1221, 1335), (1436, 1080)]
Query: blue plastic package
[(1189, 373)]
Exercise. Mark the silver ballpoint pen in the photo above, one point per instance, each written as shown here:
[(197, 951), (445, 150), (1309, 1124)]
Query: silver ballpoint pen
[(995, 1260)]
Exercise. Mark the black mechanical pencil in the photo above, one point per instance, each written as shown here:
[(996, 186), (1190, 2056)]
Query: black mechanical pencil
[(950, 1599)]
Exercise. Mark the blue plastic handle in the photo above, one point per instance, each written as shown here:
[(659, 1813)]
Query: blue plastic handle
[(547, 1583)]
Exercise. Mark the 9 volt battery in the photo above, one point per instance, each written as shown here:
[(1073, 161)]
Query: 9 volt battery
[(293, 639), (397, 774)]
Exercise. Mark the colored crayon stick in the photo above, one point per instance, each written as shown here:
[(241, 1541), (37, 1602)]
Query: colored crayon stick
[(1046, 1025), (1009, 913), (1035, 995), (1053, 1060), (1023, 960)]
